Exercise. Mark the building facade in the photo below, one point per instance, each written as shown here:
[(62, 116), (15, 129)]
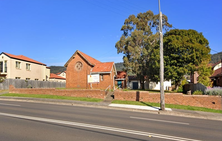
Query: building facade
[(22, 67), (56, 78), (81, 67), (216, 77)]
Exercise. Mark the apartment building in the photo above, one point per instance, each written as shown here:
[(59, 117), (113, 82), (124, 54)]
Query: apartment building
[(22, 67)]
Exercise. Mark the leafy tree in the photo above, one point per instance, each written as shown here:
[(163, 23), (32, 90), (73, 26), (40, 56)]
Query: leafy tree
[(138, 42), (184, 51), (205, 71)]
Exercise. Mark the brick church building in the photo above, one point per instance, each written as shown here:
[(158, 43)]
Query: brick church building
[(80, 67)]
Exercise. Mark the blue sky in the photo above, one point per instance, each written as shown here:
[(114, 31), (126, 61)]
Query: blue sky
[(50, 31)]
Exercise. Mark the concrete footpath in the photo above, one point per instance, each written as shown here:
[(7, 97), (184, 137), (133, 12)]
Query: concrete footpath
[(135, 108)]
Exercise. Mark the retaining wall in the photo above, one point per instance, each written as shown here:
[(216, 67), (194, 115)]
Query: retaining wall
[(213, 102), (66, 92)]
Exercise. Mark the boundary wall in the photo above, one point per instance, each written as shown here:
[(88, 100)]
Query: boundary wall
[(213, 102), (66, 92)]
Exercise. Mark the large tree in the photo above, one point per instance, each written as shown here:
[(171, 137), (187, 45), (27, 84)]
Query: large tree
[(138, 42), (205, 71), (184, 52)]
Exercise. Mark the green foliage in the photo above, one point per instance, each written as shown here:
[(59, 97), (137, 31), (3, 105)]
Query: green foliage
[(214, 91), (180, 90), (205, 71), (57, 69), (2, 79), (138, 44), (119, 66), (184, 51), (197, 92), (183, 82)]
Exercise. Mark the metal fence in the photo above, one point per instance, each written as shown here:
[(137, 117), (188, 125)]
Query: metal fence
[(19, 83)]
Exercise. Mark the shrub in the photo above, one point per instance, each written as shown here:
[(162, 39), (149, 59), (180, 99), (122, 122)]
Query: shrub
[(2, 79), (198, 92), (214, 91), (180, 90)]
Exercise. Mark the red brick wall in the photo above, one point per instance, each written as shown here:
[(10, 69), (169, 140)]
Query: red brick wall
[(67, 92), (78, 79), (108, 79), (213, 102)]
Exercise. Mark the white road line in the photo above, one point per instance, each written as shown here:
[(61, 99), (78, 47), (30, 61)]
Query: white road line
[(162, 136), (9, 104), (160, 120)]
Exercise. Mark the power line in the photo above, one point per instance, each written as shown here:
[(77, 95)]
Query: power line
[(214, 51)]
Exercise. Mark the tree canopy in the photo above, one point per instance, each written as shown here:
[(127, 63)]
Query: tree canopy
[(138, 43), (184, 52)]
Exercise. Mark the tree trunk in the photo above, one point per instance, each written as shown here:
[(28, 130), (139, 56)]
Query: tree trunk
[(142, 82)]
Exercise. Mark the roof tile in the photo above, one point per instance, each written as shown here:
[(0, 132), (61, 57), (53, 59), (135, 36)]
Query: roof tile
[(52, 75), (103, 67), (24, 58)]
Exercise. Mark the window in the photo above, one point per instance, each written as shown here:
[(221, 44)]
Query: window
[(27, 79), (5, 66), (1, 66), (78, 66), (102, 78), (18, 65), (17, 77), (28, 66)]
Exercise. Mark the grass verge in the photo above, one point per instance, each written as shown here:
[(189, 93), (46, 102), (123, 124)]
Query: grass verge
[(173, 106), (54, 97)]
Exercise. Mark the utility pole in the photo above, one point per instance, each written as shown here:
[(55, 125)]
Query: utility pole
[(162, 100)]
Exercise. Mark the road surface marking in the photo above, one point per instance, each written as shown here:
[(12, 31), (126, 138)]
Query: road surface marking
[(162, 136), (138, 107), (160, 120), (9, 104)]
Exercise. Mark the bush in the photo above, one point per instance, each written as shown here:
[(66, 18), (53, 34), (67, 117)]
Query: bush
[(214, 91), (198, 92), (180, 90), (2, 79)]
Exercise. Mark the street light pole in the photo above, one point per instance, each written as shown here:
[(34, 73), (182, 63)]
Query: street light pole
[(162, 100)]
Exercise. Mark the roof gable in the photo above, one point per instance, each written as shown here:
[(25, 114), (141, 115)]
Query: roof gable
[(23, 58), (92, 61), (98, 67), (217, 72)]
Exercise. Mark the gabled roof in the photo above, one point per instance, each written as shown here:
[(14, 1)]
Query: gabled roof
[(213, 65), (23, 58), (86, 57), (98, 67), (54, 76), (103, 67), (217, 72)]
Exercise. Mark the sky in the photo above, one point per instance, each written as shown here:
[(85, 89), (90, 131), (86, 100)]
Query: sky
[(50, 31)]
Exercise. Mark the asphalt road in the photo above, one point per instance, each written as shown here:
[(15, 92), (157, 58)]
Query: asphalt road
[(25, 121)]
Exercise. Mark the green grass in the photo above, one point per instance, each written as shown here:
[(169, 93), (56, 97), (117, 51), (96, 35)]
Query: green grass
[(173, 106), (54, 97), (150, 91)]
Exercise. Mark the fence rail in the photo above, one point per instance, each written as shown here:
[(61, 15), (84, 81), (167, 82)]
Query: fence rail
[(19, 83)]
